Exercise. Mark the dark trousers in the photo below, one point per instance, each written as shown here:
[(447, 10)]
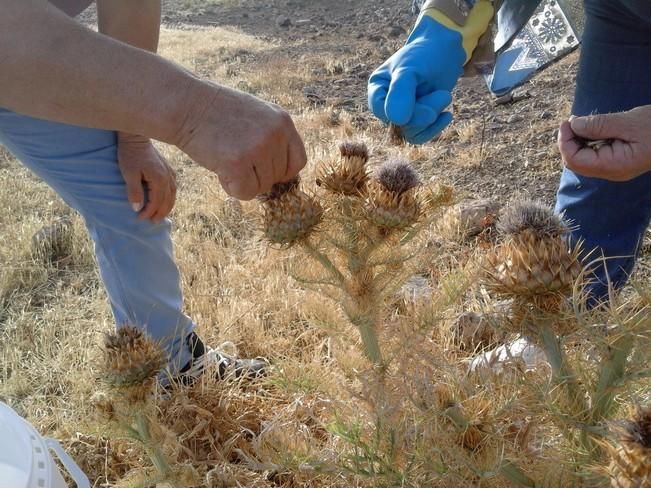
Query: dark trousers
[(614, 75)]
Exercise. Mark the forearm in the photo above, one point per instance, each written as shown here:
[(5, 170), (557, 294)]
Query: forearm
[(53, 68), (135, 23)]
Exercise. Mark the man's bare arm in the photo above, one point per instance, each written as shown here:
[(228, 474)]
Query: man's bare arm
[(53, 68), (136, 23)]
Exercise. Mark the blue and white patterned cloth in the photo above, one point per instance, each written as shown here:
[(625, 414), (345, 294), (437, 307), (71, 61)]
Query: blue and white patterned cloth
[(550, 33)]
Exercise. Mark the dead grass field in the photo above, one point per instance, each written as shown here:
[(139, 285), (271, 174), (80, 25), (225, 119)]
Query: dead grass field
[(282, 430)]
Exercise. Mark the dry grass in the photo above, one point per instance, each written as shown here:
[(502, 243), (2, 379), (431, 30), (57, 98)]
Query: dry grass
[(313, 421)]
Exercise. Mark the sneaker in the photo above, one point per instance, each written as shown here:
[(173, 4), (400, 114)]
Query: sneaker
[(226, 366)]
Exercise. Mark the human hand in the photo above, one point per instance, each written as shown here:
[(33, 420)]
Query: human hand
[(148, 175), (249, 143), (626, 155), (413, 87)]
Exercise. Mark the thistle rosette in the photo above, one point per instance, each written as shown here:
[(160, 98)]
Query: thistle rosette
[(630, 455), (289, 213), (347, 175), (393, 201)]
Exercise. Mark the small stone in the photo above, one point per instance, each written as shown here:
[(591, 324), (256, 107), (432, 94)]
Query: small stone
[(469, 218), (472, 331), (395, 31), (520, 354), (415, 291), (283, 21), (514, 118)]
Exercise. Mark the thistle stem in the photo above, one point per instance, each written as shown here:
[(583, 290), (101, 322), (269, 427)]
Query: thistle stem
[(154, 452), (370, 341), (565, 378), (612, 371), (324, 261), (515, 475)]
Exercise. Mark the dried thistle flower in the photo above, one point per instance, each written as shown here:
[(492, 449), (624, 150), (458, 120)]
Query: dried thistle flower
[(398, 176), (290, 214), (392, 201), (348, 175), (353, 149), (472, 437), (279, 189), (534, 260), (528, 216), (630, 465), (131, 359)]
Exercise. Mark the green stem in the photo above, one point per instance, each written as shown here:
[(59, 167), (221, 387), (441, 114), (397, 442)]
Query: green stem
[(154, 452), (515, 475), (324, 261), (370, 341), (612, 372), (566, 380), (455, 414), (356, 261)]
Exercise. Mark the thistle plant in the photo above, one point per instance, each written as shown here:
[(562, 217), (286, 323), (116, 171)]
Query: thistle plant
[(131, 364), (359, 241), (537, 267)]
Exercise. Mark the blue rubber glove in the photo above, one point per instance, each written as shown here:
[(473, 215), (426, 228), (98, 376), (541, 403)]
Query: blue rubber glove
[(413, 87)]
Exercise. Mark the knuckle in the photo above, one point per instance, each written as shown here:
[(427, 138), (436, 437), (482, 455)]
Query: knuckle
[(598, 124)]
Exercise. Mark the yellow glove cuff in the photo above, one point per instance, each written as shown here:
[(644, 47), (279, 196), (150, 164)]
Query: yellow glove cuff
[(476, 25)]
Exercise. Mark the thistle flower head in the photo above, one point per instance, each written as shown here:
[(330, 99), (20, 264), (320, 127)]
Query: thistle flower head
[(533, 217), (535, 260), (280, 189), (348, 175), (131, 358), (392, 202), (398, 176), (640, 428), (630, 464), (289, 213), (353, 149)]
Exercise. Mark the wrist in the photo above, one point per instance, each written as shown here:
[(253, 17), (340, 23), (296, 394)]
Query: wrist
[(471, 26), (131, 138), (190, 108)]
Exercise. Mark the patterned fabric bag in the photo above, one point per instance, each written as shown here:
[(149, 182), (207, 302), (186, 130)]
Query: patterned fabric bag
[(525, 43)]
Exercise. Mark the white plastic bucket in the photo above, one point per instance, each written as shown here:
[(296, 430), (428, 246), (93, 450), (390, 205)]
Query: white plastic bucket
[(25, 456)]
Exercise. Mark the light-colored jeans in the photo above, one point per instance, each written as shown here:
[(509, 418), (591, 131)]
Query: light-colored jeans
[(135, 257)]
